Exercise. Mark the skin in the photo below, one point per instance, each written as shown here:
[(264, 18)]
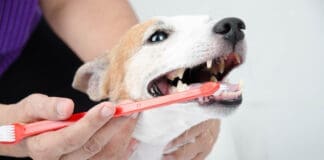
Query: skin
[(82, 140), (205, 135), (90, 28)]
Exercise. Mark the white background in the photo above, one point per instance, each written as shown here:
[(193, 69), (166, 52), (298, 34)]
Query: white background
[(282, 116)]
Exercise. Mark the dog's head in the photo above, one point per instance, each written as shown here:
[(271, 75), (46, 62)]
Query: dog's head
[(166, 55)]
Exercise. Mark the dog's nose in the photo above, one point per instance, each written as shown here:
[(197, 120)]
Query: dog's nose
[(231, 28)]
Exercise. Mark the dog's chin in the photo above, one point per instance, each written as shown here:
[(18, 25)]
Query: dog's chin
[(175, 119), (217, 110), (214, 109)]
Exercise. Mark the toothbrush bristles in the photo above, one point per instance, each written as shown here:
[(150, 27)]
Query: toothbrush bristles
[(221, 89), (7, 133)]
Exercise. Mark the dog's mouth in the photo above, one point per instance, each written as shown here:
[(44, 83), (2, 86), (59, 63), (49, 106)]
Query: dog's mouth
[(214, 70)]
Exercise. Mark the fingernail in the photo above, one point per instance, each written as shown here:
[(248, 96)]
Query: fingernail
[(168, 157), (107, 111), (61, 108)]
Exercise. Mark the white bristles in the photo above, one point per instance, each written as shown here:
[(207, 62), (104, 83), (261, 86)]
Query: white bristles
[(7, 133), (221, 89)]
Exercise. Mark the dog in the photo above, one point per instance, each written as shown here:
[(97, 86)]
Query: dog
[(162, 56)]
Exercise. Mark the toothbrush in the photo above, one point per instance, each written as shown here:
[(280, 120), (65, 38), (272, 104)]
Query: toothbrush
[(10, 134)]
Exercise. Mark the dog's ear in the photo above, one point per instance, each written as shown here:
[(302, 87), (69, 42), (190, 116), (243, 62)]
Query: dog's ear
[(90, 78)]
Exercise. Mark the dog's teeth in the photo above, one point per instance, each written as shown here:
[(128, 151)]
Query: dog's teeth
[(240, 84), (237, 57), (152, 92), (180, 72), (177, 73), (213, 79), (209, 63), (173, 90), (157, 90), (181, 86), (171, 76), (214, 70), (221, 65)]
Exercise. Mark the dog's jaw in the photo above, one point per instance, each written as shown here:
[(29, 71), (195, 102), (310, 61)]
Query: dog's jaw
[(133, 64), (171, 122), (191, 43)]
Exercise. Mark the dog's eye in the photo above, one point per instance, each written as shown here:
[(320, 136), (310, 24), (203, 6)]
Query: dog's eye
[(158, 36)]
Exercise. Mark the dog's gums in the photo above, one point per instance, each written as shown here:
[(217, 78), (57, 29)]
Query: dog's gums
[(213, 70)]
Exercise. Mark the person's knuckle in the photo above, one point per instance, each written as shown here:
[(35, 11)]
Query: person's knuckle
[(31, 102), (37, 150), (179, 153), (111, 150), (91, 122), (92, 146), (36, 97), (69, 141)]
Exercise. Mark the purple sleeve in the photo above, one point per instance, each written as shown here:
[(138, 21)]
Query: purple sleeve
[(18, 18)]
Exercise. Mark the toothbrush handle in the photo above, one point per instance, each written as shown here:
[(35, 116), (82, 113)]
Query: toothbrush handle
[(205, 89), (47, 125)]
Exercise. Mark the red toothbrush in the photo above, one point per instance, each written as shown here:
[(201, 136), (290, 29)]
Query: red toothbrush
[(15, 132)]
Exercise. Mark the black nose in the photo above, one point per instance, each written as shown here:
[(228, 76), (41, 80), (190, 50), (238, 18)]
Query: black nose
[(231, 28)]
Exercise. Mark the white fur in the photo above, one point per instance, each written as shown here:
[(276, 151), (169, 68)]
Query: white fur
[(190, 43)]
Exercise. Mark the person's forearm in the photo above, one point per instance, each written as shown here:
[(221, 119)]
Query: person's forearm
[(89, 27)]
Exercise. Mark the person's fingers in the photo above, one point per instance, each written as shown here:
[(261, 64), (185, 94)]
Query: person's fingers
[(130, 148), (54, 144), (200, 156), (98, 141), (117, 146), (185, 137), (189, 135), (202, 145), (187, 151), (39, 106)]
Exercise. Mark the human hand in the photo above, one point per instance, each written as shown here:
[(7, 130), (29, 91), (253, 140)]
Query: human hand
[(195, 143), (86, 139)]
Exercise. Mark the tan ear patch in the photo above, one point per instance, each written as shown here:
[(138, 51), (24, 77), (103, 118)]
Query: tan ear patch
[(118, 56), (89, 79)]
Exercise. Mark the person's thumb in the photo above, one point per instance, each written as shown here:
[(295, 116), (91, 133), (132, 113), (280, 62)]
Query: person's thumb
[(38, 106)]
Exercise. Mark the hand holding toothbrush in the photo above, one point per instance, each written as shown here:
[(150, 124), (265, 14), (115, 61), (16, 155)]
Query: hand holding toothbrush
[(82, 140)]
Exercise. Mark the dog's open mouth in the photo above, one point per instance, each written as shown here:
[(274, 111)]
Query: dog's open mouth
[(213, 70)]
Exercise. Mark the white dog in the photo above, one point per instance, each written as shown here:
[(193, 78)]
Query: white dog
[(162, 56)]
